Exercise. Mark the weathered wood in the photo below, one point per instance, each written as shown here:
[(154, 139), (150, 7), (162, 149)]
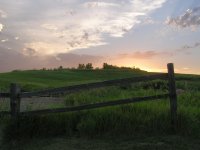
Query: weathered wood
[(77, 88), (96, 105), (173, 95), (14, 100), (4, 95)]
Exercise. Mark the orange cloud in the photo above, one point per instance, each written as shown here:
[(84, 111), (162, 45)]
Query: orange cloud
[(144, 55)]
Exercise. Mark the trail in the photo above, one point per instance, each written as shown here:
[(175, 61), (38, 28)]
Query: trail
[(41, 103)]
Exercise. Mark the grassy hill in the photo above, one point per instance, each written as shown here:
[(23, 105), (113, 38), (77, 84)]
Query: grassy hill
[(39, 79)]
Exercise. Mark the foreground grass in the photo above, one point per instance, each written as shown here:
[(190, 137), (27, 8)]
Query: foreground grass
[(143, 118), (171, 142)]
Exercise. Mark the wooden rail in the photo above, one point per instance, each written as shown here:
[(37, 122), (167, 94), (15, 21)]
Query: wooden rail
[(77, 88), (96, 105), (16, 95), (4, 95)]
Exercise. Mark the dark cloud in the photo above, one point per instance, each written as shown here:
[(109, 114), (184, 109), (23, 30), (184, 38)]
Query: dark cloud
[(186, 48), (84, 39), (71, 12), (12, 60), (190, 18), (144, 55), (85, 36), (72, 60), (29, 51)]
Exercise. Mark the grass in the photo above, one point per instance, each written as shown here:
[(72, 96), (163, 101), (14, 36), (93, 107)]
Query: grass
[(40, 79), (146, 119), (171, 142)]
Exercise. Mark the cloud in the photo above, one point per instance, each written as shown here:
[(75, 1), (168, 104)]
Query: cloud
[(42, 48), (186, 68), (144, 55), (16, 38), (98, 4), (4, 40), (12, 60), (188, 47), (29, 52), (3, 14), (191, 18), (51, 27), (74, 59), (113, 19), (148, 20), (1, 27)]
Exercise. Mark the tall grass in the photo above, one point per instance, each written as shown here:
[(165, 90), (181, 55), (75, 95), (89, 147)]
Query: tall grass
[(152, 117)]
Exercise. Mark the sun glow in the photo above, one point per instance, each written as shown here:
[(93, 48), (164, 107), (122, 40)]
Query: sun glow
[(143, 65)]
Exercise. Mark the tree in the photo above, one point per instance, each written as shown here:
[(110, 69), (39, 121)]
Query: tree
[(81, 66), (107, 66), (60, 68), (89, 66)]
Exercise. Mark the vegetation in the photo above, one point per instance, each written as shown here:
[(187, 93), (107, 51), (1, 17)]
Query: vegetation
[(108, 66), (81, 66), (171, 142), (88, 66), (40, 79), (146, 119)]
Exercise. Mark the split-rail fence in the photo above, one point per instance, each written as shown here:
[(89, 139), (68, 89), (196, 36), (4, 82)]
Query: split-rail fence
[(16, 95)]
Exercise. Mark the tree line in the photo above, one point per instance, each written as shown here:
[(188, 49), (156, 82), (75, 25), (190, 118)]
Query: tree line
[(89, 66)]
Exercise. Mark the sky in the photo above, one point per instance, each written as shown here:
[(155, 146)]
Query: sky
[(135, 33)]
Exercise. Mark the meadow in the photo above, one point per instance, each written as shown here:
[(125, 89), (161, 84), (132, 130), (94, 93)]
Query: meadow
[(130, 124)]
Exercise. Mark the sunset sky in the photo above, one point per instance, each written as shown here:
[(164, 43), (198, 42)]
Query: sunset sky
[(144, 33)]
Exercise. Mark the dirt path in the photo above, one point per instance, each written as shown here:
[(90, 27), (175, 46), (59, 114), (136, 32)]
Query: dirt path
[(34, 103), (41, 103)]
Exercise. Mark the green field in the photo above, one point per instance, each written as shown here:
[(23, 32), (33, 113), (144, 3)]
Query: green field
[(40, 79), (143, 125)]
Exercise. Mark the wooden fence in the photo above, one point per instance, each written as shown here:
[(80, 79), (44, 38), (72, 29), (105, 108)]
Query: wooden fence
[(15, 95)]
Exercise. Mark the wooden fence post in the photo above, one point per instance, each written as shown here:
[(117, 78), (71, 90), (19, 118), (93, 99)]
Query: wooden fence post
[(14, 100), (173, 95)]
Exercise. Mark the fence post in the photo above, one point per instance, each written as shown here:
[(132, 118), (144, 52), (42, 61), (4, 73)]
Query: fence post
[(14, 100), (173, 95)]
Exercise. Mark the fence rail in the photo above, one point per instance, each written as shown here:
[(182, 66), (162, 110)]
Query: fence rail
[(16, 95), (97, 105), (4, 95), (77, 88)]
